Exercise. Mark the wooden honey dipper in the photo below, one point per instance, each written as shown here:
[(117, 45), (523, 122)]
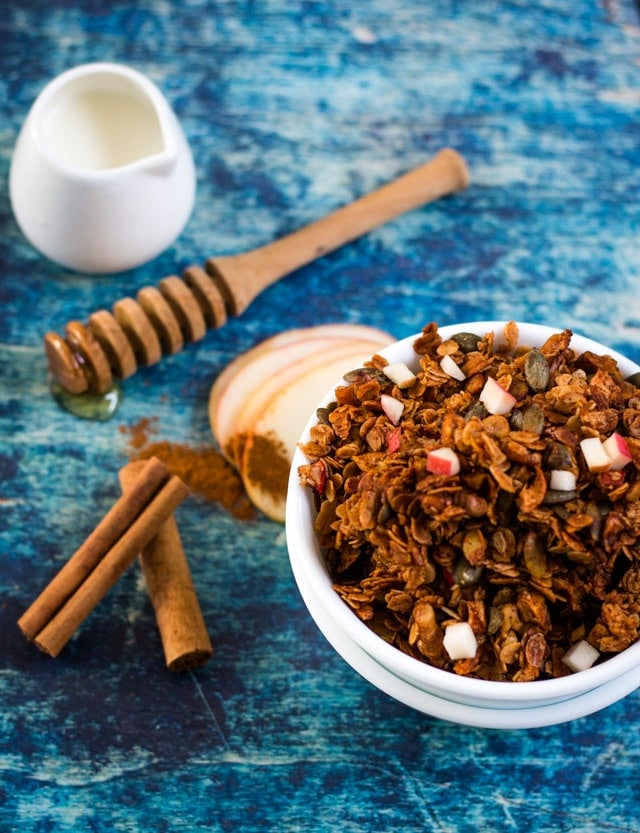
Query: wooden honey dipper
[(161, 320)]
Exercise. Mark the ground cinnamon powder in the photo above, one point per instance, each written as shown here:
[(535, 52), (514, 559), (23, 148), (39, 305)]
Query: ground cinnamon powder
[(204, 469), (268, 466)]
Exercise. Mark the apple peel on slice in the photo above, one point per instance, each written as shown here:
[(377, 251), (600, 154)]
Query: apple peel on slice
[(258, 400), (260, 377), (248, 372)]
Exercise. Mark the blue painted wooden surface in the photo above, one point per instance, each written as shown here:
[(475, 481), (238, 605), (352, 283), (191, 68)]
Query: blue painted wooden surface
[(292, 109)]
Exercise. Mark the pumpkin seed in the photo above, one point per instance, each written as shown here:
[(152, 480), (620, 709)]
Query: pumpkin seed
[(553, 496), (536, 370), (495, 620), (598, 511), (465, 574), (476, 410), (516, 420), (365, 372), (534, 555), (467, 342), (560, 457), (352, 375), (533, 419), (322, 415), (503, 541), (474, 546)]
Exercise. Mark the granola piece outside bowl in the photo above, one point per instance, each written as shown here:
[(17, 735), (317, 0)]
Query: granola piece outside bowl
[(421, 685)]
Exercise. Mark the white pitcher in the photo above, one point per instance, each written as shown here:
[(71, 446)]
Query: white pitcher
[(102, 178)]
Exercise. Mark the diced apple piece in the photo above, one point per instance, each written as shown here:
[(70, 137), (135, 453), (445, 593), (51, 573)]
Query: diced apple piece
[(443, 461), (392, 407), (594, 454), (399, 374), (617, 450), (580, 656), (448, 365), (495, 398), (562, 480), (460, 641)]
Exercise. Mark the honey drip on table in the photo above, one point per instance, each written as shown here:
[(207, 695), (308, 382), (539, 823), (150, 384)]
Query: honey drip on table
[(98, 407)]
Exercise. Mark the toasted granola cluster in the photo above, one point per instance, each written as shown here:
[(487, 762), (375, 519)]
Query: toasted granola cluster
[(516, 531)]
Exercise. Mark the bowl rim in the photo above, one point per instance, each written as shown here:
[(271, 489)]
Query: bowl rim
[(304, 555)]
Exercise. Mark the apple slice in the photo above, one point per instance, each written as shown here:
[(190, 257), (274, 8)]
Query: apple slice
[(258, 399), (255, 375), (269, 443), (345, 331), (249, 371), (226, 376), (281, 349)]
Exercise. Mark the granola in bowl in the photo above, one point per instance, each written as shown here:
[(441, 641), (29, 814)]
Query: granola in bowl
[(479, 506)]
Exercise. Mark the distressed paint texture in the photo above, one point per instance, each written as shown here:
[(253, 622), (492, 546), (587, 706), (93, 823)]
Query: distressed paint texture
[(292, 109)]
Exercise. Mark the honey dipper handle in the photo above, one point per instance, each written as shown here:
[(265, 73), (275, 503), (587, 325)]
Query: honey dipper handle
[(242, 277), (160, 320)]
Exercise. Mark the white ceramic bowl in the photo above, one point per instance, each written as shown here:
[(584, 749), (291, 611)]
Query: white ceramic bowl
[(418, 684)]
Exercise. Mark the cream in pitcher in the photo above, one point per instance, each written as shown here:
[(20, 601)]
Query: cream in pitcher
[(102, 178)]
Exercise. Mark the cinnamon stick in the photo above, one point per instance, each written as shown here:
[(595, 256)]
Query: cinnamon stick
[(111, 527), (93, 569), (183, 632)]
